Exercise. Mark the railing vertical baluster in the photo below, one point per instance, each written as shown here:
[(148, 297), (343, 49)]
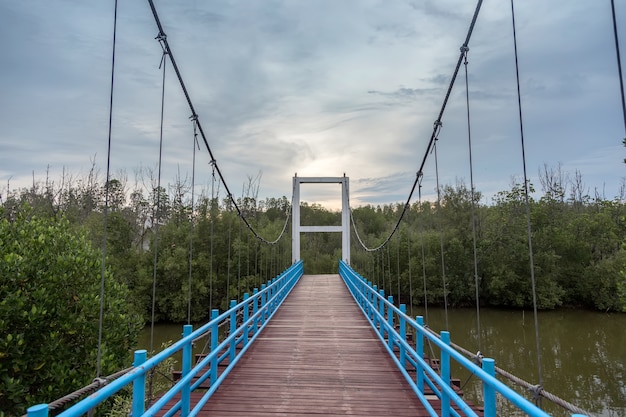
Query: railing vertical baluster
[(139, 385), (445, 374), (233, 329), (186, 368), (390, 322), (374, 305), (489, 393), (214, 342), (255, 309), (39, 410), (402, 335), (263, 300), (381, 310), (246, 310), (419, 345)]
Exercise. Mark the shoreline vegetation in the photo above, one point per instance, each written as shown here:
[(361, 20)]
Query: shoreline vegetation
[(578, 242)]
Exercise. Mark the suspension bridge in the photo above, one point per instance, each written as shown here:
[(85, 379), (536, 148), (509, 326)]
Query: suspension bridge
[(313, 344)]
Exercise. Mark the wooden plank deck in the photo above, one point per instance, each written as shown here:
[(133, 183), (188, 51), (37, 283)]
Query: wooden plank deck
[(317, 356)]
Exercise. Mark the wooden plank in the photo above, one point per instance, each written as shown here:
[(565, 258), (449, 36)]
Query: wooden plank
[(318, 355)]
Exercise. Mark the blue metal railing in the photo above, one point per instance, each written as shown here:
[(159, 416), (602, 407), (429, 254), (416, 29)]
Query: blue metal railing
[(384, 316), (255, 312)]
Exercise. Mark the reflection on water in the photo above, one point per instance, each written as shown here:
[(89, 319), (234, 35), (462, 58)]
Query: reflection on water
[(583, 354)]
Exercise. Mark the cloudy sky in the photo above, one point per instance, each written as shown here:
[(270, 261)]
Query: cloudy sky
[(318, 88)]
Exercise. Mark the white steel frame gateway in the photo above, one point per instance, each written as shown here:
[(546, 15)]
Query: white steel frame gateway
[(344, 229)]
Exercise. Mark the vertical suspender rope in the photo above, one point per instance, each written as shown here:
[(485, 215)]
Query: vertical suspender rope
[(443, 257), (471, 166), (398, 265), (530, 240), (192, 215), (619, 63), (408, 247), (157, 211), (389, 267), (212, 214), (239, 260), (230, 224), (106, 204), (421, 223)]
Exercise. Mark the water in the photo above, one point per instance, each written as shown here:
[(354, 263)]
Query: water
[(583, 353)]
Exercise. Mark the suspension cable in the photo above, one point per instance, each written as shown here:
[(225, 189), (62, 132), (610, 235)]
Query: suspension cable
[(408, 245), (436, 128), (106, 203), (619, 63), (191, 218), (200, 129), (471, 167), (528, 224), (443, 256)]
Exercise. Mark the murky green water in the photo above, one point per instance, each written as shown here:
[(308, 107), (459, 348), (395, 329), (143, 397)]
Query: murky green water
[(583, 353)]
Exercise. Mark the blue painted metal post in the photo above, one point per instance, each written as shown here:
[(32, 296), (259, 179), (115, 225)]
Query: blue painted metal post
[(419, 345), (489, 393), (445, 375), (374, 304), (390, 322), (246, 310), (139, 385), (255, 309), (263, 300), (233, 329), (381, 311), (214, 342), (39, 410), (186, 391), (402, 335)]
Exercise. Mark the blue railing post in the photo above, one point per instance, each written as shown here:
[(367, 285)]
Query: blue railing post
[(39, 410), (186, 368), (255, 309), (374, 304), (246, 311), (381, 311), (263, 301), (445, 375), (233, 329), (139, 385), (390, 322), (489, 393), (419, 345), (214, 342), (402, 335)]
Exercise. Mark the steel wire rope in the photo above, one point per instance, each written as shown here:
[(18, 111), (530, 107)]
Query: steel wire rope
[(619, 63), (398, 264), (157, 210), (528, 223), (200, 129), (106, 203), (443, 256), (239, 257), (212, 234), (436, 127), (473, 210), (408, 249), (421, 231), (191, 216)]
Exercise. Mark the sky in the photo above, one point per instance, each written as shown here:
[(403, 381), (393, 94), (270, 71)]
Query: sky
[(317, 88)]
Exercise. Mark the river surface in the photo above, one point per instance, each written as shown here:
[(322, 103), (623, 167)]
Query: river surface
[(583, 354)]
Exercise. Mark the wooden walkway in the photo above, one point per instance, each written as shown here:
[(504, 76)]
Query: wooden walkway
[(317, 356)]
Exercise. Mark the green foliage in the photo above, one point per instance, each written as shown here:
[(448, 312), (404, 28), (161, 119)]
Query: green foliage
[(50, 292)]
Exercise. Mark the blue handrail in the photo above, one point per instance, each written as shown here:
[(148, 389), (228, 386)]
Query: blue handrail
[(381, 313), (255, 310)]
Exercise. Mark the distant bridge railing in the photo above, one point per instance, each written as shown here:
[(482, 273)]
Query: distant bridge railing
[(384, 317), (255, 312)]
